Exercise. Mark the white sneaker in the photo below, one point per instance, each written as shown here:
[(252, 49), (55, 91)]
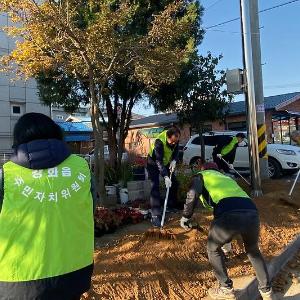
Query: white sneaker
[(221, 293), (268, 295)]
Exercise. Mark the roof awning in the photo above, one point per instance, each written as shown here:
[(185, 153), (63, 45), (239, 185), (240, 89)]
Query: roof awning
[(77, 138), (151, 132), (285, 114)]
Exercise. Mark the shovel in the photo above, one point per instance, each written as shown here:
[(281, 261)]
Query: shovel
[(289, 197), (162, 233), (236, 172)]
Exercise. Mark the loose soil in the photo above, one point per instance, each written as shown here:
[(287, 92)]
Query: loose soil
[(139, 268)]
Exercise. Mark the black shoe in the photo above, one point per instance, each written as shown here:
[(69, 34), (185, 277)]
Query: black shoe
[(156, 221), (171, 210)]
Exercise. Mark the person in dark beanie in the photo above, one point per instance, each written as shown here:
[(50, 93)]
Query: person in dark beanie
[(226, 149), (162, 159), (46, 216), (234, 214)]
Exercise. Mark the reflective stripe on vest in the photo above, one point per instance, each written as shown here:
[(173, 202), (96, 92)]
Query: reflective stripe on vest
[(167, 151), (46, 221), (228, 148), (219, 187)]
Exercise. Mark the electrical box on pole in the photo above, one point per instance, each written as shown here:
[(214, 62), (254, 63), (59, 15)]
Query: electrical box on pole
[(235, 81)]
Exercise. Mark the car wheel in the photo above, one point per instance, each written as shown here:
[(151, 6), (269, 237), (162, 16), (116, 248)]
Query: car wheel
[(274, 168), (195, 161)]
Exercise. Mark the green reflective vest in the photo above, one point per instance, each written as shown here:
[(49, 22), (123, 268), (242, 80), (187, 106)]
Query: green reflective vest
[(46, 221), (167, 150), (228, 148), (219, 187)]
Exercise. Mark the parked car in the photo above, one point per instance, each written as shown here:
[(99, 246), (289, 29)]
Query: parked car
[(91, 156), (282, 159)]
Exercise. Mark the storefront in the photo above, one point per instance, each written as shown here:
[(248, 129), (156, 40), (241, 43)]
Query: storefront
[(283, 123)]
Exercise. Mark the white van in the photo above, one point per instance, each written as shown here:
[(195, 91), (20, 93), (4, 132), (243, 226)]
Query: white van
[(283, 159)]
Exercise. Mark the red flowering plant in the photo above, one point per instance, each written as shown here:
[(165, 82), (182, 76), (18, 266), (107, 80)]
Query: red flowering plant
[(106, 220), (139, 162)]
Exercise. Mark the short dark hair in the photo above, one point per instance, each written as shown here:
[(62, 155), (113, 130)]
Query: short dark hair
[(210, 166), (241, 135), (35, 126), (174, 130)]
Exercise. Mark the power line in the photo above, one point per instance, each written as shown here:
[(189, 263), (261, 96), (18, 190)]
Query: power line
[(210, 6), (261, 11)]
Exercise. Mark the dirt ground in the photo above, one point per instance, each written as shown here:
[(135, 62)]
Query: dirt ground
[(139, 268)]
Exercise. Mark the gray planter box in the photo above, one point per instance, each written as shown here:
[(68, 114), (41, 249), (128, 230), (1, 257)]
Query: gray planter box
[(135, 195), (110, 200)]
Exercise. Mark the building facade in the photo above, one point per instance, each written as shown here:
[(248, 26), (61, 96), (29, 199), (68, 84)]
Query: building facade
[(282, 117), (17, 97)]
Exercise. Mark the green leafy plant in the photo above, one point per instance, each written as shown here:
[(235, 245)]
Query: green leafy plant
[(125, 173), (110, 175), (184, 177)]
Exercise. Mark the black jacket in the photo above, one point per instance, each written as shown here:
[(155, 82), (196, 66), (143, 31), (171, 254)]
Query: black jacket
[(43, 154), (221, 143), (197, 189), (156, 160)]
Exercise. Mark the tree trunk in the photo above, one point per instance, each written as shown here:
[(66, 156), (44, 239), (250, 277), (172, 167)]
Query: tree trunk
[(112, 129), (99, 143), (112, 146)]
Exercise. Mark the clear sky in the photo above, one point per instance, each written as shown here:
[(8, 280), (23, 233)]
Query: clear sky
[(280, 43)]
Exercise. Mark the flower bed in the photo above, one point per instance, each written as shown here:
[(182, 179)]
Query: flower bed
[(108, 220)]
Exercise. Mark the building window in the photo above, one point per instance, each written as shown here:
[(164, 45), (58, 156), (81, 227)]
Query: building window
[(16, 110), (237, 126)]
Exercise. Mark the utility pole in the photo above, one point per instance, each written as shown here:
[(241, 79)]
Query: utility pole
[(254, 93), (259, 92)]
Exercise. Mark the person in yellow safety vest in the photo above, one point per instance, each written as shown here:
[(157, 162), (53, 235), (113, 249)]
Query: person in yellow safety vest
[(161, 160), (46, 216), (295, 136), (234, 214), (226, 149)]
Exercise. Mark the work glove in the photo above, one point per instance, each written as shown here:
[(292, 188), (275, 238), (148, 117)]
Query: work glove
[(219, 156), (172, 166), (186, 224), (168, 182), (230, 166)]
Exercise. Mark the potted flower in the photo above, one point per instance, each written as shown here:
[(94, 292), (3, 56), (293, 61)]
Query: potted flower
[(138, 168), (126, 175), (110, 180)]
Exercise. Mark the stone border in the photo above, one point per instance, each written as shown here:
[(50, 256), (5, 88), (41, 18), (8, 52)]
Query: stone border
[(250, 292)]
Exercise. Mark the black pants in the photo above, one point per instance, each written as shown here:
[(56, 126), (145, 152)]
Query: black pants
[(155, 200), (246, 224)]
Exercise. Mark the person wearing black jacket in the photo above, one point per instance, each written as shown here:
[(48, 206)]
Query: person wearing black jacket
[(43, 190), (161, 160), (226, 149), (234, 214)]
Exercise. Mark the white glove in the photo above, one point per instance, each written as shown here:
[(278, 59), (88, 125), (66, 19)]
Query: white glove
[(172, 165), (227, 248), (185, 223), (168, 182), (230, 166), (219, 156)]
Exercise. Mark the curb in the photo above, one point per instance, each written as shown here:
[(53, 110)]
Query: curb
[(251, 292)]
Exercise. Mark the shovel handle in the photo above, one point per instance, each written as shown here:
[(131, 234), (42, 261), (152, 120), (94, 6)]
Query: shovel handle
[(165, 204), (237, 172), (294, 184)]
